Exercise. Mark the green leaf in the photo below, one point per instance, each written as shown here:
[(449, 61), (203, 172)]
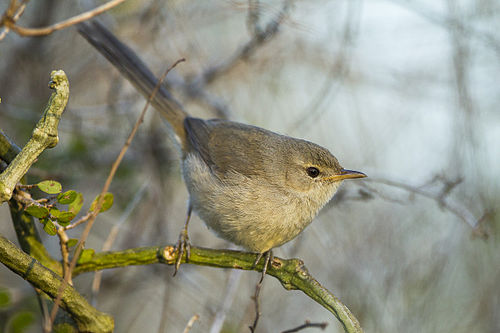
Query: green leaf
[(72, 242), (50, 186), (86, 255), (63, 217), (77, 204), (20, 322), (37, 211), (106, 204), (49, 227), (67, 197), (4, 298)]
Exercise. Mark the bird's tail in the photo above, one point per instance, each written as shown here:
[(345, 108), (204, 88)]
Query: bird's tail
[(134, 69)]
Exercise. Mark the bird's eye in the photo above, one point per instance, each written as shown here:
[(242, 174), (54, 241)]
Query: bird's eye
[(312, 172)]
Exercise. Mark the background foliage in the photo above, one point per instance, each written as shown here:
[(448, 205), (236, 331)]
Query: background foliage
[(405, 91)]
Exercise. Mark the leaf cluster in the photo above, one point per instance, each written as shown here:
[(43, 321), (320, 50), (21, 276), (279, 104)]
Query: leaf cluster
[(49, 211)]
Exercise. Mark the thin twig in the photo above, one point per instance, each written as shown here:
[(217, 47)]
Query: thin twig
[(246, 50), (63, 242), (96, 282), (63, 24), (105, 188), (380, 194), (81, 220), (255, 299), (191, 323), (195, 88), (466, 28), (441, 198), (307, 324), (13, 17), (17, 15), (42, 299)]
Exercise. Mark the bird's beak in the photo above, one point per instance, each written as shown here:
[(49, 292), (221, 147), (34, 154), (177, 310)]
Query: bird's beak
[(346, 174)]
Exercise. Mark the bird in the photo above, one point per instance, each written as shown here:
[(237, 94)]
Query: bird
[(252, 187)]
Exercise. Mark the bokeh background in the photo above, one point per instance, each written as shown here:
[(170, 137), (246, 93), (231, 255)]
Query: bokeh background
[(405, 91)]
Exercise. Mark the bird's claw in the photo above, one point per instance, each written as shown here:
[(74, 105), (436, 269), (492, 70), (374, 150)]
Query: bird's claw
[(183, 246), (268, 258)]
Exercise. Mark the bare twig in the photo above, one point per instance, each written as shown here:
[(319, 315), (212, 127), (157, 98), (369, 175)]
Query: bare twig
[(42, 302), (440, 197), (10, 23), (195, 88), (307, 324), (81, 220), (105, 188), (255, 299), (63, 242), (380, 194), (14, 13), (96, 282), (465, 27), (191, 323), (246, 50)]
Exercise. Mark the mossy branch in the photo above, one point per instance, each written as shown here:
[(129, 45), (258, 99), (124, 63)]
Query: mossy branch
[(290, 272), (44, 136), (87, 318), (24, 223)]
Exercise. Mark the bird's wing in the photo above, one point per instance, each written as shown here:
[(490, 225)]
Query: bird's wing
[(227, 146)]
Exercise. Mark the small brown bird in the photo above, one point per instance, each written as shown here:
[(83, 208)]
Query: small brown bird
[(252, 187)]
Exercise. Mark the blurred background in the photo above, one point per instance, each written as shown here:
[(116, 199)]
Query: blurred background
[(405, 91)]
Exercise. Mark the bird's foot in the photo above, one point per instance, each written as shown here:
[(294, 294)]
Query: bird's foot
[(183, 246), (267, 260)]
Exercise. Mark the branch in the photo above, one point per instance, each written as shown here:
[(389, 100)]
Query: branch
[(8, 149), (44, 136), (440, 197), (87, 318), (26, 232), (10, 23), (260, 37), (290, 272), (12, 14)]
